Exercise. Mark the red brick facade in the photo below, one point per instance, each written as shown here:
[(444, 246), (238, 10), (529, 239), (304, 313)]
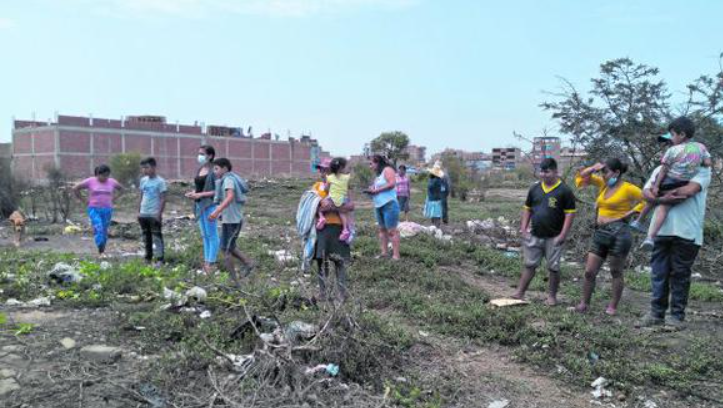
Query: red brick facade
[(78, 144)]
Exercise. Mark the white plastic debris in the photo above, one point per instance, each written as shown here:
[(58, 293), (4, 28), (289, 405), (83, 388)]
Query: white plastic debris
[(205, 315), (37, 302), (600, 392), (283, 256), (499, 404), (64, 273), (241, 363), (197, 294), (650, 404)]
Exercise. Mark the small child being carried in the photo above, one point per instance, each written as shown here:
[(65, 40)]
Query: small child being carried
[(680, 164), (337, 187)]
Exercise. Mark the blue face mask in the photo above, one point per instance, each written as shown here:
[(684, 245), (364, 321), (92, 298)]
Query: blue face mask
[(612, 181)]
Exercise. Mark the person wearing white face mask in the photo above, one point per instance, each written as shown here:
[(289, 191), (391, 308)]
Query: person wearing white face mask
[(617, 203), (205, 187)]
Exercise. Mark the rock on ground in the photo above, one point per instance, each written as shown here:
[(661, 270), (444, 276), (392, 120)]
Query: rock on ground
[(100, 353)]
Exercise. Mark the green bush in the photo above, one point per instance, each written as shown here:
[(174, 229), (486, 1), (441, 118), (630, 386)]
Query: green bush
[(125, 168)]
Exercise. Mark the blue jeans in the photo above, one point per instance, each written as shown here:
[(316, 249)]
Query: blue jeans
[(671, 263), (388, 215), (209, 233), (100, 220)]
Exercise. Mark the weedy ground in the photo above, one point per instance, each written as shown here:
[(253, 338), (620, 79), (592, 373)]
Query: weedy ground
[(415, 333)]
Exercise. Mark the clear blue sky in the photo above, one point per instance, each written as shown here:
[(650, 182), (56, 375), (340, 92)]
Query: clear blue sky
[(456, 73)]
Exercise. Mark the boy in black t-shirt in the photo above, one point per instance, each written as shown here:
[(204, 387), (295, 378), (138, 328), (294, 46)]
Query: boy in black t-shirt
[(550, 207)]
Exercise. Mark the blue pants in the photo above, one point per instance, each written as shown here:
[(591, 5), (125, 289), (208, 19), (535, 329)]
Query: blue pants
[(100, 220), (209, 233), (671, 263)]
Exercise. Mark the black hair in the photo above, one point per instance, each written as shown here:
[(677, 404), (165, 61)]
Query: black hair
[(149, 161), (103, 169), (615, 164), (381, 162), (223, 163), (683, 125), (548, 164), (210, 151), (402, 167), (337, 164)]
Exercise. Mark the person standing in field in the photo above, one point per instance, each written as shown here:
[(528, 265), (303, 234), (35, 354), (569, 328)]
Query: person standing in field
[(101, 192), (203, 196), (231, 192), (404, 191), (547, 218), (150, 210)]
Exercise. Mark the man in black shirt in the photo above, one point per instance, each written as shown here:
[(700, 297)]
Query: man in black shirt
[(550, 208)]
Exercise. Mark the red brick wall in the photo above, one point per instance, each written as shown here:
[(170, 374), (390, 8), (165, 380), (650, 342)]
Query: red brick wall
[(189, 147), (281, 152), (22, 143), (137, 143), (42, 163), (249, 156), (107, 143), (44, 141), (73, 142), (73, 121), (165, 146), (239, 148), (76, 166), (262, 150)]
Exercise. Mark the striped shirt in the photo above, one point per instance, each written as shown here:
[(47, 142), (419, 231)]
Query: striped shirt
[(403, 186)]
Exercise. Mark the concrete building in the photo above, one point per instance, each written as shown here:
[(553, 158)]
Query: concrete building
[(570, 157), (472, 160), (78, 144), (545, 148), (506, 158), (417, 155)]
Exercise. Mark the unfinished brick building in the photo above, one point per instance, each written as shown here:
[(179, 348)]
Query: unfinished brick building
[(77, 144)]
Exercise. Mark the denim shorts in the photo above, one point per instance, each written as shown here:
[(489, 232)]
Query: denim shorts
[(612, 239), (229, 235), (388, 215)]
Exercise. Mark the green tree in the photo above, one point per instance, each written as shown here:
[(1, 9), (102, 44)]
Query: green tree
[(393, 145), (11, 188), (58, 194), (125, 168), (363, 175), (626, 109)]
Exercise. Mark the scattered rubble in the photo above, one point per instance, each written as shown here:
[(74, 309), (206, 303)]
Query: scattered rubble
[(506, 302), (67, 343), (600, 392), (64, 273), (37, 302), (283, 256), (412, 229), (331, 369), (101, 353), (499, 404)]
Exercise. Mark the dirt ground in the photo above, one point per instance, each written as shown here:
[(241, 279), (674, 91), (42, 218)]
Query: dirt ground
[(37, 370)]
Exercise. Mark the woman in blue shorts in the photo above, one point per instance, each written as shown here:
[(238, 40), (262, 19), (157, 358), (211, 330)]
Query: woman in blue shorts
[(386, 207)]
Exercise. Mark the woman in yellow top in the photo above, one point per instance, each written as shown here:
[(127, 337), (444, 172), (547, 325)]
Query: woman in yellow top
[(617, 201)]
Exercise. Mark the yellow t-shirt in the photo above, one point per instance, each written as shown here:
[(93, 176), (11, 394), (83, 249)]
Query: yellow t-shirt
[(338, 188), (332, 218), (628, 197)]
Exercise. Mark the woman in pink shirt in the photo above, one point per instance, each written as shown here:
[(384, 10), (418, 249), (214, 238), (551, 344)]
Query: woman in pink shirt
[(101, 189)]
